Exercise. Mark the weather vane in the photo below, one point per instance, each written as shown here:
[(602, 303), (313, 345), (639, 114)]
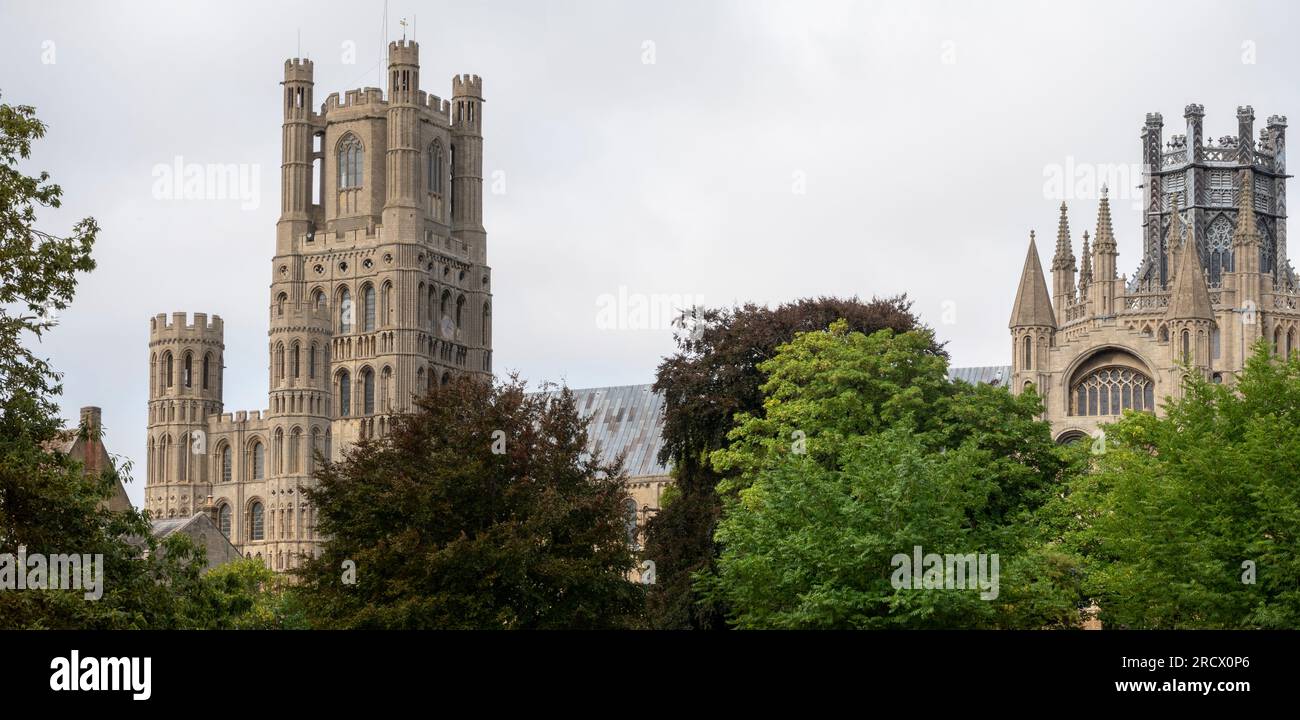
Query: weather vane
[(402, 22)]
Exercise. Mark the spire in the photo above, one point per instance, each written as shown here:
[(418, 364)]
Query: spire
[(1085, 274), (1064, 257), (1033, 306), (1175, 239), (1247, 232), (1190, 298), (1105, 237)]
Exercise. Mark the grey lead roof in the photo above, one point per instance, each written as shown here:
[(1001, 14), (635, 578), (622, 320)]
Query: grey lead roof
[(985, 374), (628, 419)]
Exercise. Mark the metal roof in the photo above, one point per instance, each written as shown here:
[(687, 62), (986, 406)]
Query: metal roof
[(987, 374), (627, 420)]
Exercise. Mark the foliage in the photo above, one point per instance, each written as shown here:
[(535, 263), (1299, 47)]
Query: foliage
[(446, 532), (864, 450), (712, 378), (1177, 505)]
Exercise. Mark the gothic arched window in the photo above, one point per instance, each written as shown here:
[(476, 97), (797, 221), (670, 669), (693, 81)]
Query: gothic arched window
[(259, 461), (188, 373), (278, 457), (226, 458), (1028, 361), (295, 447), (182, 458), (345, 394), (1112, 390), (435, 168), (257, 521), (367, 392), (368, 313), (1187, 346), (1219, 246), (351, 162), (223, 519), (167, 368), (460, 310), (207, 363), (345, 311)]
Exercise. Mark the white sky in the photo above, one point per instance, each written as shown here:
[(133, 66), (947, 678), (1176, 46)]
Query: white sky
[(921, 132)]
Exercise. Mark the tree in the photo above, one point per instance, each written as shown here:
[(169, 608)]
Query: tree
[(1192, 520), (864, 451), (713, 377), (48, 504), (482, 509)]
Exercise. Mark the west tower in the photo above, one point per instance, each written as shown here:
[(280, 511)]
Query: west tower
[(379, 288)]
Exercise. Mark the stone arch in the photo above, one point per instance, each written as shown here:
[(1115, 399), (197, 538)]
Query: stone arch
[(1120, 373)]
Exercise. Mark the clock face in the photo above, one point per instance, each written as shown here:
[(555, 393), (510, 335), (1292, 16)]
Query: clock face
[(448, 328)]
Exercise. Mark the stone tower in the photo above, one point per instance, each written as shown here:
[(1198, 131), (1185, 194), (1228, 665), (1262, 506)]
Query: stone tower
[(1213, 279), (379, 288), (185, 376)]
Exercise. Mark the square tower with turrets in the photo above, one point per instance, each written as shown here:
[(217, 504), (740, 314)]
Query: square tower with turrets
[(1213, 280), (379, 288)]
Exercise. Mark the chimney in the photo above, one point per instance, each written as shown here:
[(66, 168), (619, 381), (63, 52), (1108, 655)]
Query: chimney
[(90, 425)]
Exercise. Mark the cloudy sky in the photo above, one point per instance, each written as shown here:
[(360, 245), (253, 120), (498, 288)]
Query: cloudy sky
[(671, 151)]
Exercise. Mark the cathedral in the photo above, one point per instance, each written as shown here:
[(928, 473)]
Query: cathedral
[(1213, 280), (379, 287)]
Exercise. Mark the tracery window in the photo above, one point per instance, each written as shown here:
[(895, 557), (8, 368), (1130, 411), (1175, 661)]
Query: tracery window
[(1219, 245), (351, 160), (1112, 390)]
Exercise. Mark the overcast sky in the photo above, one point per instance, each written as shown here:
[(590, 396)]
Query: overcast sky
[(723, 151)]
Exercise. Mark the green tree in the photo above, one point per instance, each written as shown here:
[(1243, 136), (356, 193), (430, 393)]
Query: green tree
[(482, 509), (1180, 508), (712, 378), (246, 595), (48, 505), (863, 451)]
